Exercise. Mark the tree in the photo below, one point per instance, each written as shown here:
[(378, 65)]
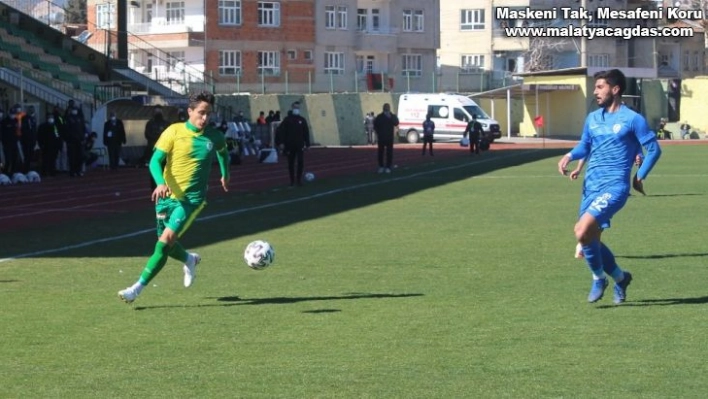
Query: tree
[(75, 12), (539, 55)]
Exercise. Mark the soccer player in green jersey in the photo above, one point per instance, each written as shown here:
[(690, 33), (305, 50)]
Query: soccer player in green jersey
[(187, 150)]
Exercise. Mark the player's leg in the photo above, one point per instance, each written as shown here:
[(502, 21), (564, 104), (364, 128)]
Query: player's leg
[(596, 212), (380, 155), (182, 219)]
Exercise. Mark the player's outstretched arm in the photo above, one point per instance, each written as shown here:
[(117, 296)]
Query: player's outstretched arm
[(158, 158), (223, 157)]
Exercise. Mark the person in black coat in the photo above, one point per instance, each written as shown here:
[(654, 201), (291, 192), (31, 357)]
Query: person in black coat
[(293, 137), (28, 140), (74, 135), (113, 138), (49, 140), (385, 124)]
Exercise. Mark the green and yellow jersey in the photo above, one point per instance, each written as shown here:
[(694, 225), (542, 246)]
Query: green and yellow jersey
[(189, 154)]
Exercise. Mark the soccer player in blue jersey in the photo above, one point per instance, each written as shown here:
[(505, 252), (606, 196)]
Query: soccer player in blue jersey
[(611, 138)]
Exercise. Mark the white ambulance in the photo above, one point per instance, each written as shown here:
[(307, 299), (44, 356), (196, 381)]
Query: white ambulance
[(450, 112)]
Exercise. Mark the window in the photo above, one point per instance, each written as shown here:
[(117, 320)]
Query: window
[(664, 60), (598, 23), (330, 17), (413, 21), (342, 17), (292, 54), (334, 63), (697, 60), (268, 13), (599, 60), (460, 115), (375, 19), (269, 63), (174, 12), (229, 12), (229, 62), (175, 61), (361, 19), (471, 19), (471, 62), (439, 111), (412, 65), (104, 16), (148, 12), (307, 55)]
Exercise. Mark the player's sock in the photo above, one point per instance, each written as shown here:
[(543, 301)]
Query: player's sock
[(155, 263), (137, 287), (593, 256), (178, 252), (610, 265)]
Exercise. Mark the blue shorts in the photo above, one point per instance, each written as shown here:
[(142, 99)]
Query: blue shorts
[(602, 206)]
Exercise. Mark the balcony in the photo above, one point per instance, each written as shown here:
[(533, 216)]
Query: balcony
[(161, 26), (384, 40)]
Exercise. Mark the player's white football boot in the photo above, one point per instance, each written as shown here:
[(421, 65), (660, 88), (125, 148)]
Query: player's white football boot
[(190, 269), (128, 295)]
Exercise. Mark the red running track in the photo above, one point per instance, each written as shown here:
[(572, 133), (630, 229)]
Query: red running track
[(101, 192)]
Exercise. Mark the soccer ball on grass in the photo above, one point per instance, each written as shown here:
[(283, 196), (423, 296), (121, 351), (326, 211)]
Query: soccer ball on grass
[(259, 254)]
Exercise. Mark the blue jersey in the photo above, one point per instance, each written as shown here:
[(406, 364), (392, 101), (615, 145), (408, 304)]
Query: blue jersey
[(612, 141)]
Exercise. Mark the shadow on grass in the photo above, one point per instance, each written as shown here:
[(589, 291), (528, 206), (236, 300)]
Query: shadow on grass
[(671, 195), (662, 256), (238, 301), (9, 281), (317, 311), (661, 302)]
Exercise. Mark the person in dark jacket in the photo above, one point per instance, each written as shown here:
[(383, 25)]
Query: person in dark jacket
[(49, 140), (9, 129), (293, 137), (153, 130), (384, 124), (474, 129), (28, 140), (74, 135), (113, 139)]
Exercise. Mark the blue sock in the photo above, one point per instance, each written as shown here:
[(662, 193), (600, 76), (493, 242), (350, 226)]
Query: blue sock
[(593, 256), (609, 264)]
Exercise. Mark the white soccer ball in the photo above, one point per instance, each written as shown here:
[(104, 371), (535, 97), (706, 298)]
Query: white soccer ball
[(33, 177), (309, 176), (259, 254)]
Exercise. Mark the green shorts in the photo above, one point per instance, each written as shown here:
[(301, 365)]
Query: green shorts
[(175, 215)]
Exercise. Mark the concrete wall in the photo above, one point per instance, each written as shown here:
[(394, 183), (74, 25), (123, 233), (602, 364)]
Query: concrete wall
[(335, 119), (694, 97), (564, 112), (497, 109)]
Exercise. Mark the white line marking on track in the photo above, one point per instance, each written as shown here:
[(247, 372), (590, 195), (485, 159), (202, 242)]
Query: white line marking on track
[(264, 206)]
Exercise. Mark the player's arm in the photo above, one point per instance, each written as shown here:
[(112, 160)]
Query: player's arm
[(580, 151), (650, 143), (576, 172), (156, 162), (222, 155)]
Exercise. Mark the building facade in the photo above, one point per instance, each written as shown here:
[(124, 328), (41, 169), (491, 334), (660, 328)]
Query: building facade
[(286, 46), (476, 54)]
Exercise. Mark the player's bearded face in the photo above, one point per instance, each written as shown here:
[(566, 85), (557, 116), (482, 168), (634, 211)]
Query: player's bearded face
[(603, 93), (199, 115)]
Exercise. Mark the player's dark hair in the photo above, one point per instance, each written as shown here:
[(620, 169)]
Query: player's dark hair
[(201, 97), (613, 77)]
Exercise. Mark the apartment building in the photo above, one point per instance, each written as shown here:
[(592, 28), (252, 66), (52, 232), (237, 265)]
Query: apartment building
[(378, 45), (477, 55), (686, 57), (293, 46)]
